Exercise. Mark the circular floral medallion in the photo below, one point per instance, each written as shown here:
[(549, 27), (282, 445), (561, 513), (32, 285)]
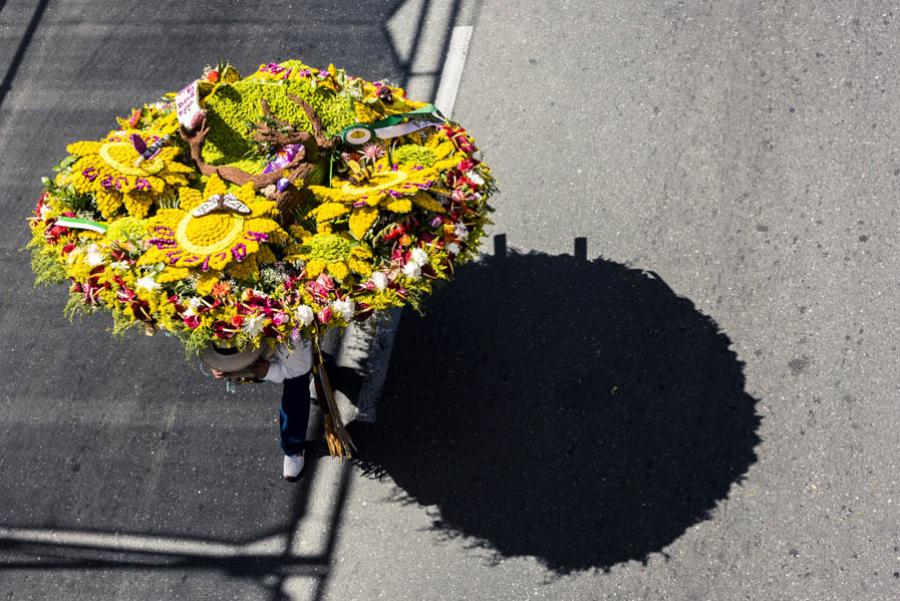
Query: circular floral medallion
[(182, 238)]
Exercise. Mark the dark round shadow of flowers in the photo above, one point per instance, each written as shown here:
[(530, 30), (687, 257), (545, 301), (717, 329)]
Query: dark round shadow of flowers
[(578, 412)]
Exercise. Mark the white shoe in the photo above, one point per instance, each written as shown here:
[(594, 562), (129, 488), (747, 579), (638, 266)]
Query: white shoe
[(293, 465)]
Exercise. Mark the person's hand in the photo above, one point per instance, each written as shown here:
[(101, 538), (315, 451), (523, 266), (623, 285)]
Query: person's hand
[(218, 375), (260, 369)]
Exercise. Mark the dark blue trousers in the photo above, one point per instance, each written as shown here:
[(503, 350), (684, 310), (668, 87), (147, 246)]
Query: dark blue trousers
[(294, 415)]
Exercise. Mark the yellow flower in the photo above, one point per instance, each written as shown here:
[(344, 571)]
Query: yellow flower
[(364, 114), (360, 260), (386, 189), (206, 284), (113, 171), (206, 238), (328, 211)]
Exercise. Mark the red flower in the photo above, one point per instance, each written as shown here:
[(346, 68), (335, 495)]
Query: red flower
[(220, 331), (192, 322), (237, 321), (466, 165), (40, 204), (325, 315)]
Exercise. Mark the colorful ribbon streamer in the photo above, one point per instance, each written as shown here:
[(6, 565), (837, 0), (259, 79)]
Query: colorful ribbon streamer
[(81, 224)]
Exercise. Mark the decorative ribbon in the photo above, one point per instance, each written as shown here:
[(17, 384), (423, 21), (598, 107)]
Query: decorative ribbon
[(74, 223), (393, 126)]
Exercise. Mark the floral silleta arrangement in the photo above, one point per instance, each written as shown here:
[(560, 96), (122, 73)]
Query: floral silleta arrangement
[(247, 212)]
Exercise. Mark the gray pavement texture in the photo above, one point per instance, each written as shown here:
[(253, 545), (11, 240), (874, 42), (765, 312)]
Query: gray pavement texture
[(702, 404)]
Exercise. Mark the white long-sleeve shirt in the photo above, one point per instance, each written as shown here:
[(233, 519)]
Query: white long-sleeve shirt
[(290, 362)]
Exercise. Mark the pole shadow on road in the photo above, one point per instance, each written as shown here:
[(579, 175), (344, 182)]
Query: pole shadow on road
[(579, 412)]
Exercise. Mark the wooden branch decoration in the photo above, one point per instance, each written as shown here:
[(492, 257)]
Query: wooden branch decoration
[(298, 169), (234, 175), (318, 129)]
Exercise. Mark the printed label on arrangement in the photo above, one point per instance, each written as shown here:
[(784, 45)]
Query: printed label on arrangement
[(187, 102)]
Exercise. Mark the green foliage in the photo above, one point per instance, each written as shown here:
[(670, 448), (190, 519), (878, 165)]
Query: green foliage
[(67, 196), (75, 306), (197, 340), (47, 267)]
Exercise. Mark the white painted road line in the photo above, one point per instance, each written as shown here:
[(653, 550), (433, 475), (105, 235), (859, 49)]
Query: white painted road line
[(451, 75), (135, 543)]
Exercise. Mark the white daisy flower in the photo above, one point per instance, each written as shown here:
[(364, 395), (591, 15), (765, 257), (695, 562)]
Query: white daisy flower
[(345, 307), (193, 304), (380, 280), (412, 271), (94, 256), (149, 284), (475, 177), (253, 325), (419, 257), (305, 314)]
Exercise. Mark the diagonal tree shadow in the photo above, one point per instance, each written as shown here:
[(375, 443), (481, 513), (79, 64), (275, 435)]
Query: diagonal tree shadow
[(579, 412)]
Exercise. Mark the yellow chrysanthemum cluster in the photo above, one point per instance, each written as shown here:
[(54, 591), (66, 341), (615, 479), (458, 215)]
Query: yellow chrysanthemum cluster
[(117, 174), (205, 233)]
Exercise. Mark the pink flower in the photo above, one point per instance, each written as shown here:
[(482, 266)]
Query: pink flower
[(325, 281), (372, 152), (192, 322), (325, 315), (280, 319)]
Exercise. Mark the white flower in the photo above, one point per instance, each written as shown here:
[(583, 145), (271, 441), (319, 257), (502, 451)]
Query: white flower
[(475, 177), (148, 283), (345, 307), (45, 210), (253, 325), (380, 280), (461, 231), (305, 314), (94, 256), (453, 248), (412, 271), (121, 266), (419, 257), (193, 304)]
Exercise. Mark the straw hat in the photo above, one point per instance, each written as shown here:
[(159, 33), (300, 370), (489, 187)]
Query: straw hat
[(229, 360)]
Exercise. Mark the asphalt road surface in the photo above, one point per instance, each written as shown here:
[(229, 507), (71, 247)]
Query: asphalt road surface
[(674, 375)]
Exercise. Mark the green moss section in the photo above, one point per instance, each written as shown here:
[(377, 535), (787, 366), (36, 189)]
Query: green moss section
[(327, 247), (414, 154), (126, 228), (233, 109)]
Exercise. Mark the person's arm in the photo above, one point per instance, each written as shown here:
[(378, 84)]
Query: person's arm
[(286, 364)]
